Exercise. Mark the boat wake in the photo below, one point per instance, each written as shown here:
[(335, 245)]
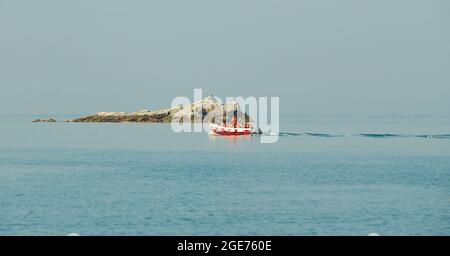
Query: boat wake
[(367, 135)]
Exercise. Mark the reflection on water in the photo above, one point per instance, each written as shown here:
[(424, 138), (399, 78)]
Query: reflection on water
[(233, 139)]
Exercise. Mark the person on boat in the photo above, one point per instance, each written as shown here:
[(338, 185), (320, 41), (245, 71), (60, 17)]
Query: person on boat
[(234, 120), (224, 116), (246, 124)]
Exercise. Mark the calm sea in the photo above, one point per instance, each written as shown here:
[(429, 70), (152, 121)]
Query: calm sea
[(324, 176)]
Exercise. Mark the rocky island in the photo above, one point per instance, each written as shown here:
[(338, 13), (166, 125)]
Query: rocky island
[(205, 110)]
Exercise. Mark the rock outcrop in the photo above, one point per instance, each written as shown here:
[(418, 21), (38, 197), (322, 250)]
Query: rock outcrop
[(49, 120), (206, 110)]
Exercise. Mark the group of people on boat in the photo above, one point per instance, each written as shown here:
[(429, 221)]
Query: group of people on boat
[(234, 128), (234, 121)]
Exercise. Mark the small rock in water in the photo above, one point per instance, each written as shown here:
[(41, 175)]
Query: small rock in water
[(49, 120)]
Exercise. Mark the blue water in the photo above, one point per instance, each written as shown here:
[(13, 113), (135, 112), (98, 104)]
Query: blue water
[(324, 176)]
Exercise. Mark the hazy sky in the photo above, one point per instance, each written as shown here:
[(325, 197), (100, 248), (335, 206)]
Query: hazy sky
[(355, 57)]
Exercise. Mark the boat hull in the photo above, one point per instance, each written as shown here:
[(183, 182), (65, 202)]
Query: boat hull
[(229, 131)]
